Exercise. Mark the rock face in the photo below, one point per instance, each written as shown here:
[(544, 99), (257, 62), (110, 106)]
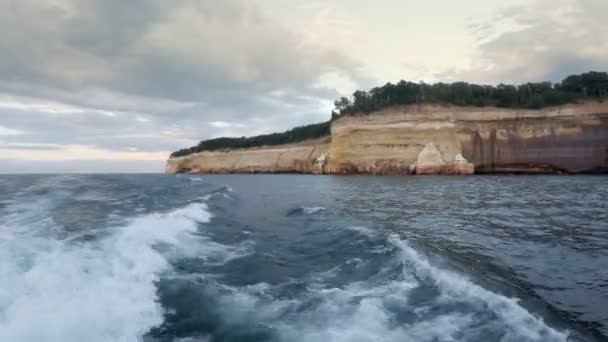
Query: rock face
[(571, 138), (434, 139), (429, 161), (306, 157), (461, 166)]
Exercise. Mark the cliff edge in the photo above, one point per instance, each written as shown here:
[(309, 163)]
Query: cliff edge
[(433, 139), (304, 157)]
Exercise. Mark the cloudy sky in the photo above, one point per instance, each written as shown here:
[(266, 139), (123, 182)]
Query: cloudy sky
[(115, 85)]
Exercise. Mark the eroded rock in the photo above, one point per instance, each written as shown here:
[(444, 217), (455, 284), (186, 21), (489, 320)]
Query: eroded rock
[(429, 161), (564, 139)]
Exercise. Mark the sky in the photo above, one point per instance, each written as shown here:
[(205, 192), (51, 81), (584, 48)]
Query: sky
[(115, 86)]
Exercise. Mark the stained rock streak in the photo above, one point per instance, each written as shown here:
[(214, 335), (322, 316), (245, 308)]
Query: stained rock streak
[(433, 139)]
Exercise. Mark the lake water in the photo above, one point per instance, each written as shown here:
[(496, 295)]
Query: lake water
[(303, 258)]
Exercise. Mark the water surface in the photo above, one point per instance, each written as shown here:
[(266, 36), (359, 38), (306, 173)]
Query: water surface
[(303, 258)]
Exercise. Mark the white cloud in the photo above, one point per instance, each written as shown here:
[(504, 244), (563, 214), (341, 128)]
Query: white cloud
[(541, 40), (78, 152), (29, 104), (30, 145), (224, 124), (9, 131)]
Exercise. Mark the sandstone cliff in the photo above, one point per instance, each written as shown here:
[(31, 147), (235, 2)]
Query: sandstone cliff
[(571, 138), (304, 157), (435, 139)]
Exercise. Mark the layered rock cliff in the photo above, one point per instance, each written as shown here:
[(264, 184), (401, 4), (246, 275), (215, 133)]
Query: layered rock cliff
[(434, 139), (304, 157)]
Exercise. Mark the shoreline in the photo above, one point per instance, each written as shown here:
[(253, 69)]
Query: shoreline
[(432, 139)]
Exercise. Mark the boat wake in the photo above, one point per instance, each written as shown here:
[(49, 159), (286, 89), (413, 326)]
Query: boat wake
[(97, 290), (163, 277)]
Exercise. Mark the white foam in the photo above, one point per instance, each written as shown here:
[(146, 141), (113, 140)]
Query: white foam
[(312, 210), (213, 253), (223, 191), (520, 323), (363, 231), (193, 339), (359, 313), (95, 291), (364, 311)]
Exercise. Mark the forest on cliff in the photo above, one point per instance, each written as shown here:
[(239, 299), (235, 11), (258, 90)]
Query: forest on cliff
[(590, 85), (292, 136)]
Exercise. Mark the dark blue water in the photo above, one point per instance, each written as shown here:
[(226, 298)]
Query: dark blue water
[(303, 258)]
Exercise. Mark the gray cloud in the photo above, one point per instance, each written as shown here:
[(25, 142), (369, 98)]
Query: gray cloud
[(152, 74), (546, 40), (157, 75), (191, 51)]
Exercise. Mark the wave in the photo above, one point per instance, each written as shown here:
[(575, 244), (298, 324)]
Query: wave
[(226, 188), (108, 289), (518, 324), (420, 303), (304, 211), (196, 179), (103, 290), (367, 232), (223, 191)]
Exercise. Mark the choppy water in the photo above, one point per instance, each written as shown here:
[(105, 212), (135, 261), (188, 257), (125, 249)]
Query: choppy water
[(303, 258)]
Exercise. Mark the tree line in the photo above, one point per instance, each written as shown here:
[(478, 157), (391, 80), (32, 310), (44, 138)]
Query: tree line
[(292, 136), (592, 85)]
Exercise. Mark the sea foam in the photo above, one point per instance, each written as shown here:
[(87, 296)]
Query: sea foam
[(103, 290), (517, 323), (455, 308)]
